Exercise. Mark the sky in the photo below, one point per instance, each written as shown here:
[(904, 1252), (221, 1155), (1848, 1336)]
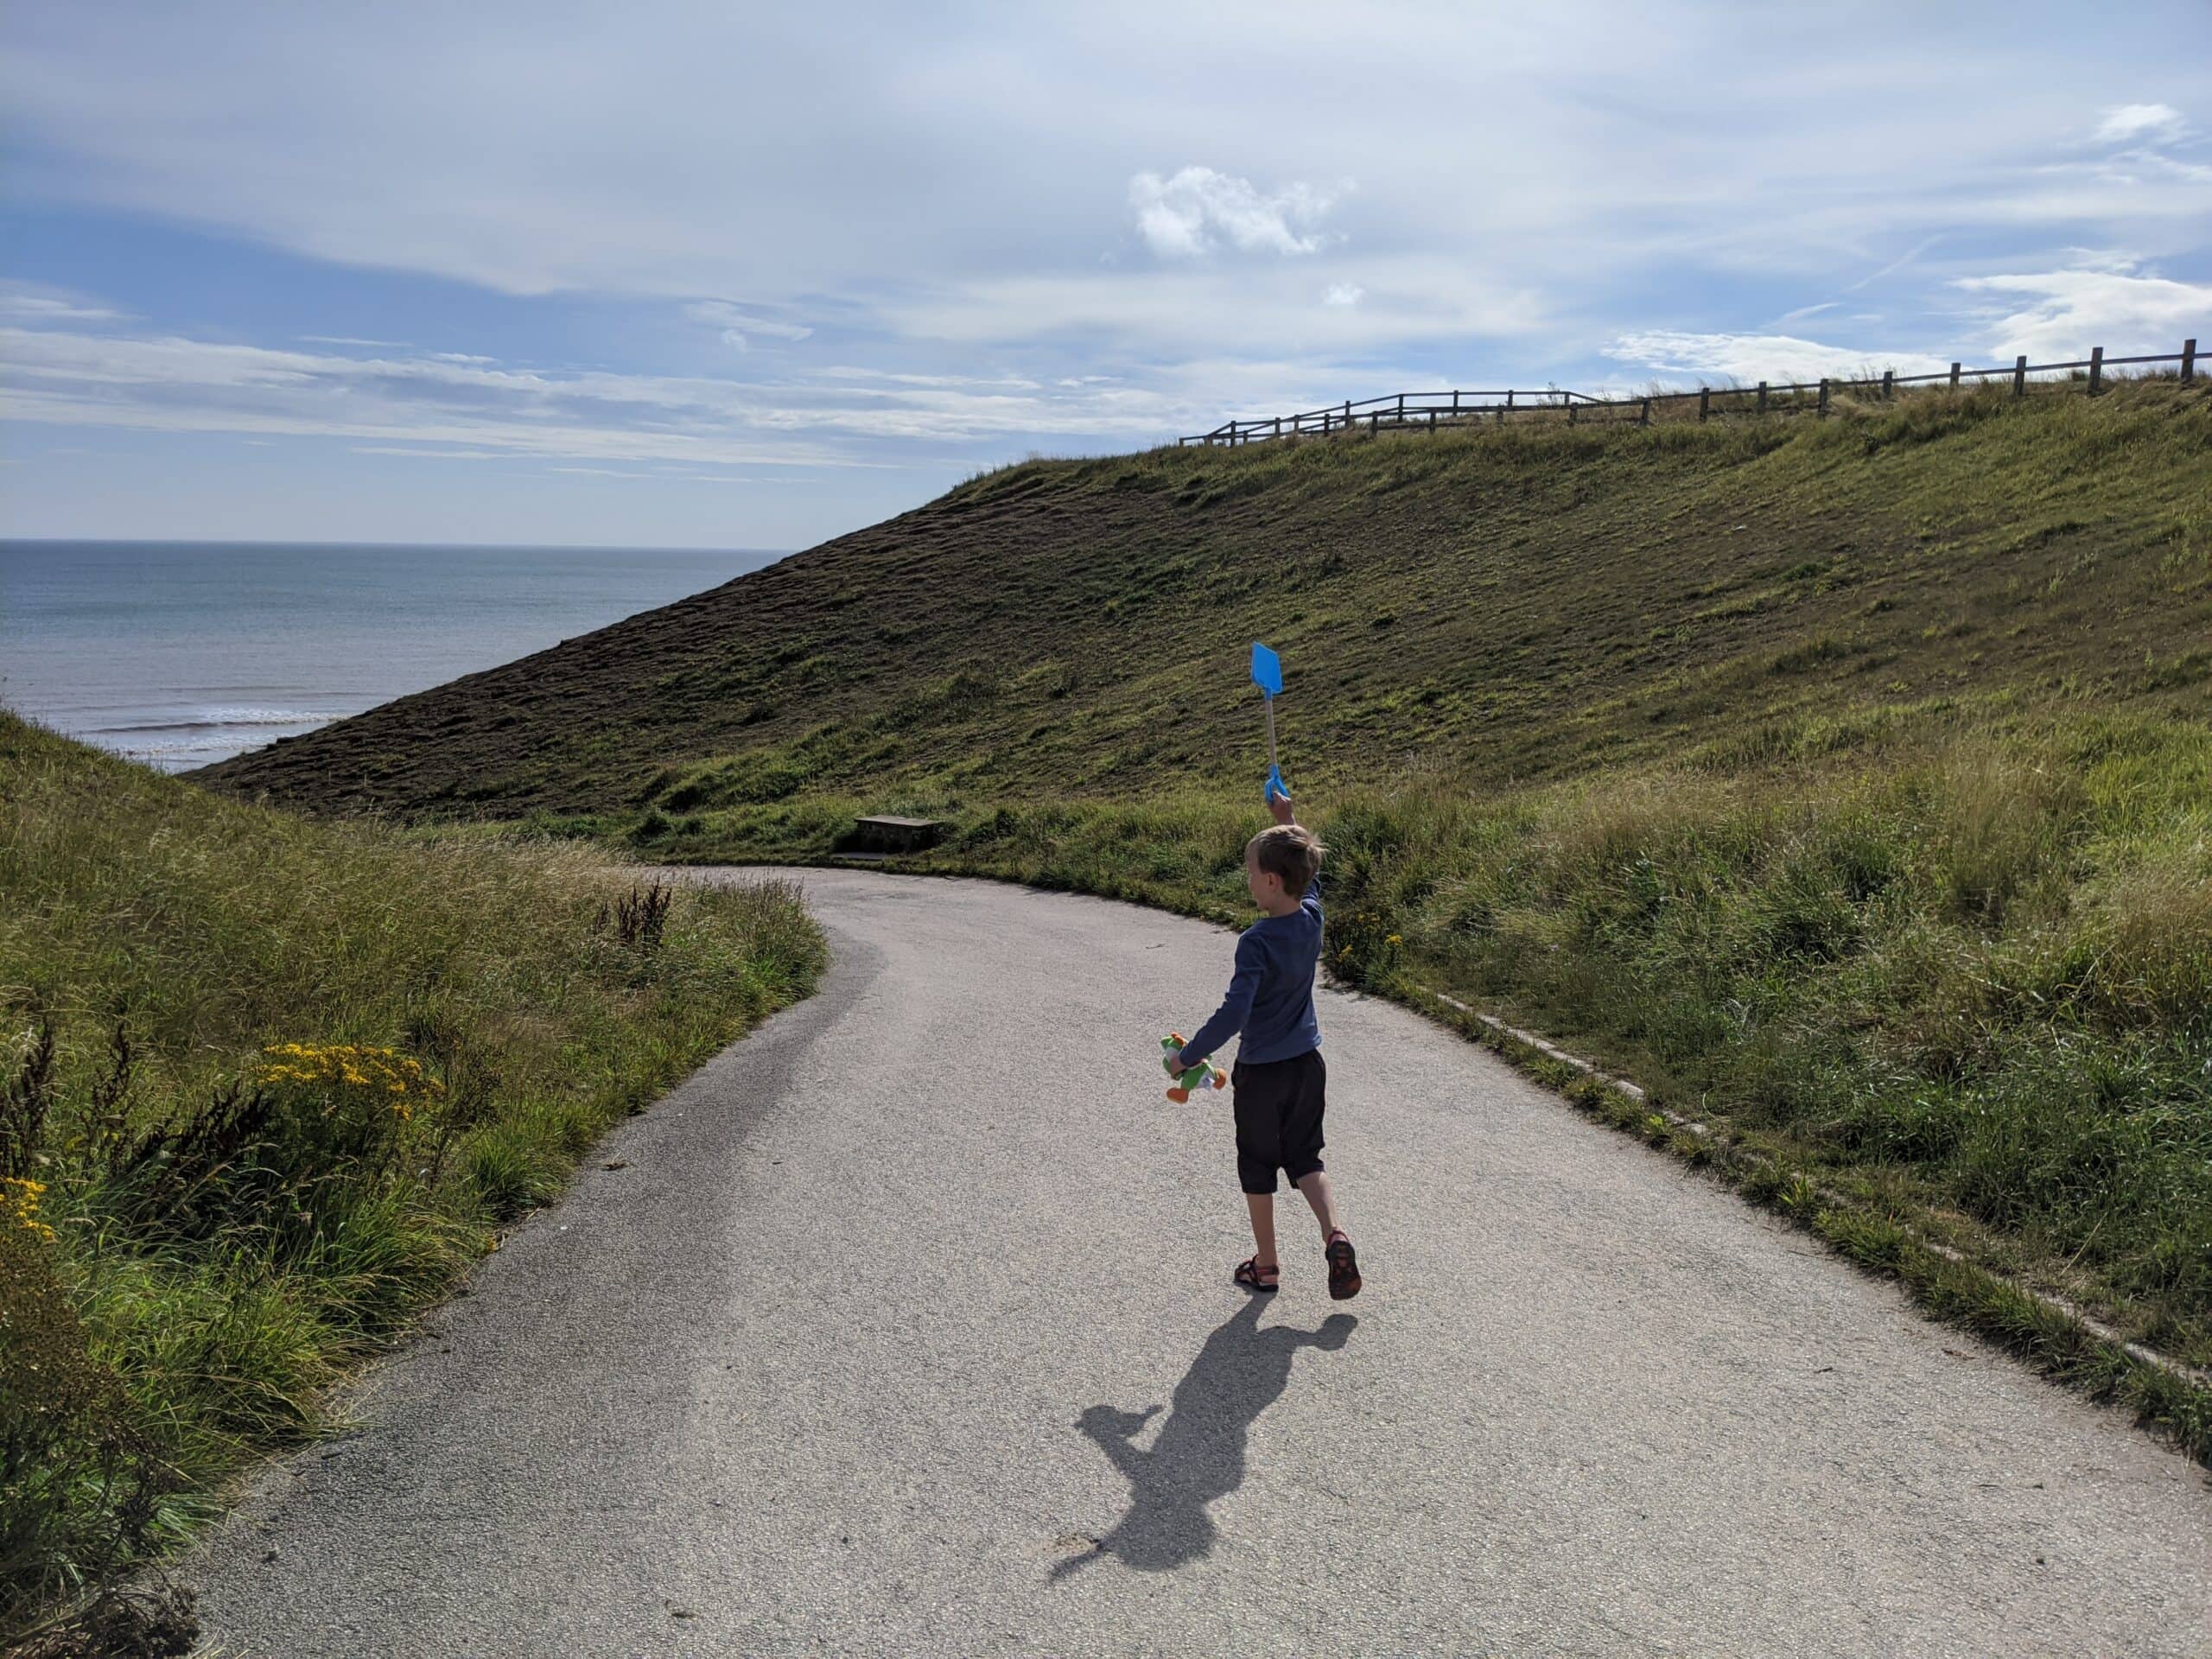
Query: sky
[(741, 275)]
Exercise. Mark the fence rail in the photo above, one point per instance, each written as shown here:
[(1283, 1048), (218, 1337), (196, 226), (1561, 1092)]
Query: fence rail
[(1431, 410)]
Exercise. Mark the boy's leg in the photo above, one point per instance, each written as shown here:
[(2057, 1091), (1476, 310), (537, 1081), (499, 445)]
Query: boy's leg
[(1262, 1206), (1317, 1194), (1253, 1106)]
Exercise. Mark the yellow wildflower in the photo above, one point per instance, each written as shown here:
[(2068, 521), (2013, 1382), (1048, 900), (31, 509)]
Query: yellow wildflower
[(19, 1196), (371, 1066)]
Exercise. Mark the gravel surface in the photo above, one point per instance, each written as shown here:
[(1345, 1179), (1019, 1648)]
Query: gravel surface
[(904, 1327)]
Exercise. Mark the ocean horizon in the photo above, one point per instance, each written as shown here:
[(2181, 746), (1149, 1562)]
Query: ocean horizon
[(179, 654)]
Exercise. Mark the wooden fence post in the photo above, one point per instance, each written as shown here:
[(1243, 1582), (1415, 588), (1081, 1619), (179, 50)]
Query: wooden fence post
[(1955, 376), (1374, 422), (1509, 397), (1402, 409), (1704, 402), (1432, 422), (1889, 384), (2187, 361), (1347, 414), (1570, 412), (2020, 375), (1762, 397), (1455, 402), (1824, 395), (1646, 421), (2096, 368)]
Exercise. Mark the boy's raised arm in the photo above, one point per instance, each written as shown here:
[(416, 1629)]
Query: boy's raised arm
[(1236, 1006)]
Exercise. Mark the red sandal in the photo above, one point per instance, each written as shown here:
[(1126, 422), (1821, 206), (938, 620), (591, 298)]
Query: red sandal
[(1249, 1271), (1344, 1268)]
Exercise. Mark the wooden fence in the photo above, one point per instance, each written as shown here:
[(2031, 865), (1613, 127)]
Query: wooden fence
[(1433, 410)]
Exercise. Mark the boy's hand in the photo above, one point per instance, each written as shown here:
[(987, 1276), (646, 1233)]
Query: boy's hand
[(1177, 1064), (1280, 806)]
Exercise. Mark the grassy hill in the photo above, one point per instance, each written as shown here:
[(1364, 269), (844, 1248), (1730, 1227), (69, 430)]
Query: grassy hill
[(1846, 783), (1516, 604), (268, 1087)]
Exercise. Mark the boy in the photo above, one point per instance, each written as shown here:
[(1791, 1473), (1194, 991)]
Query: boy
[(1279, 1078)]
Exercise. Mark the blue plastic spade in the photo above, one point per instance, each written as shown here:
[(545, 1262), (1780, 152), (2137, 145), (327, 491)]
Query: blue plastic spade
[(1267, 670), (1267, 674)]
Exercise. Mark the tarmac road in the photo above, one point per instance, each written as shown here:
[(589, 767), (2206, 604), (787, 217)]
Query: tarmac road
[(904, 1327)]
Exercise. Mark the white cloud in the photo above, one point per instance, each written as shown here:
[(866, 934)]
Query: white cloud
[(1748, 359), (977, 148), (1203, 308), (740, 326), (420, 453), (2128, 123), (1197, 210), (30, 303), (2063, 313), (465, 406), (1344, 294)]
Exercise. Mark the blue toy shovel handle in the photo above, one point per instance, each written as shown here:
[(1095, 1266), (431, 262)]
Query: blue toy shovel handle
[(1274, 789)]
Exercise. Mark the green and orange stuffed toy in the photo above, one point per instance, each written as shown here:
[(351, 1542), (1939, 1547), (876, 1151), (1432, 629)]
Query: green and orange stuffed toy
[(1204, 1075)]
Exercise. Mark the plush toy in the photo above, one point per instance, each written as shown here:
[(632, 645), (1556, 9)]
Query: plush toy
[(1204, 1075)]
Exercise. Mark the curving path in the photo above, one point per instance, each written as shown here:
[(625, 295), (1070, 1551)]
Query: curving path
[(903, 1328)]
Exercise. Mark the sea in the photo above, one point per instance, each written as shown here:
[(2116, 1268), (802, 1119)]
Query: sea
[(182, 653)]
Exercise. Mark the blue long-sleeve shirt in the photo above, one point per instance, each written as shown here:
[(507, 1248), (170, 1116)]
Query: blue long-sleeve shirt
[(1270, 996)]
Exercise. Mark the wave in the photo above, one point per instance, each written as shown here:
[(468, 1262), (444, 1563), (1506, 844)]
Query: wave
[(216, 720)]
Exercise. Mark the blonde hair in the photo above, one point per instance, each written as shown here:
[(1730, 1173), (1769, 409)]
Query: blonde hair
[(1289, 851)]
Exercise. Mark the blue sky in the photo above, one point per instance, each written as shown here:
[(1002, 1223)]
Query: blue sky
[(726, 276)]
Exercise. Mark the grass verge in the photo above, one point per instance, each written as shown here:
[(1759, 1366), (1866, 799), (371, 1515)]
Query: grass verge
[(269, 1087)]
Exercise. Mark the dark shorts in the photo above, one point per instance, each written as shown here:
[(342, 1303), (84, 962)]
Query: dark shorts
[(1279, 1105)]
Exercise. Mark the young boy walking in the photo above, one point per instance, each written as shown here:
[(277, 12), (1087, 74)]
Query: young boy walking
[(1279, 1078)]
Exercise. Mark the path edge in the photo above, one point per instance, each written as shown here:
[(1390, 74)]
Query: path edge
[(2058, 1339)]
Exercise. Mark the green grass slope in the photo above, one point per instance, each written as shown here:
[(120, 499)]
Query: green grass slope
[(1508, 604), (1847, 783), (270, 1086)]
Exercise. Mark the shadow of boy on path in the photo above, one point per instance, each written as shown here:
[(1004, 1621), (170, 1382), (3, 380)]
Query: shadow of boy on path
[(1199, 1455)]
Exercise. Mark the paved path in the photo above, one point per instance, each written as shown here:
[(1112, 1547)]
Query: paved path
[(906, 1331)]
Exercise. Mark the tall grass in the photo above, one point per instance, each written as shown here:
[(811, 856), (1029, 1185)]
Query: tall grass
[(200, 1233)]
